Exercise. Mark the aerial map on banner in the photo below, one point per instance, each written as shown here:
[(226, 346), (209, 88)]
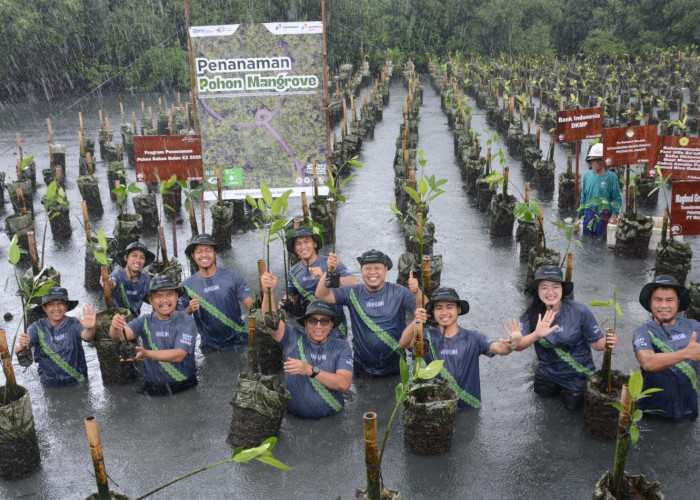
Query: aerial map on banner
[(260, 105)]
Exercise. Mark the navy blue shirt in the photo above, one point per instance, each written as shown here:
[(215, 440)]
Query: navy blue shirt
[(387, 308), (461, 354), (577, 330), (219, 317), (132, 291), (308, 283), (678, 399), (179, 332), (331, 356), (66, 341)]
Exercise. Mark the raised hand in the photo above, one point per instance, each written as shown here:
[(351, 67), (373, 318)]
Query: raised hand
[(513, 333), (89, 318), (544, 324), (412, 283)]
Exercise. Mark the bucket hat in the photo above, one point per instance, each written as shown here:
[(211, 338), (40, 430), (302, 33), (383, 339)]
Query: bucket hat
[(135, 245), (552, 273), (58, 293), (302, 231), (445, 294), (373, 256), (320, 307), (163, 282), (664, 280), (201, 239)]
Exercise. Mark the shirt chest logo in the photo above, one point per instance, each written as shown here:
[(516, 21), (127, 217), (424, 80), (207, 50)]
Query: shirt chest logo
[(212, 288), (374, 303)]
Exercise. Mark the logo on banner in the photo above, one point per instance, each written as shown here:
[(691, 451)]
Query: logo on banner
[(683, 141)]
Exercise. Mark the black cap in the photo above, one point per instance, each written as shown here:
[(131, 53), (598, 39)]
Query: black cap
[(201, 239), (303, 231), (373, 256), (552, 273), (136, 245), (58, 293), (445, 294), (320, 307), (664, 281), (163, 282)]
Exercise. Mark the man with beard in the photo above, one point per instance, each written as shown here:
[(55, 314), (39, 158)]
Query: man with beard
[(214, 295), (668, 351), (304, 275), (168, 339), (378, 312)]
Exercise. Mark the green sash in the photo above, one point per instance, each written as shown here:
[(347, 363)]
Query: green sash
[(211, 309), (566, 357), (60, 362), (375, 328), (168, 367), (321, 389), (683, 366), (308, 296), (472, 401)]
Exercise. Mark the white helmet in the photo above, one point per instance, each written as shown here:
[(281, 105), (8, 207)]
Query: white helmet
[(596, 152)]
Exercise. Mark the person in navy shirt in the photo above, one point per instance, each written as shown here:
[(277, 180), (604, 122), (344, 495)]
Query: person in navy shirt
[(378, 310), (317, 367), (563, 348), (215, 294), (458, 347), (304, 275), (168, 339), (130, 282), (57, 340), (668, 351)]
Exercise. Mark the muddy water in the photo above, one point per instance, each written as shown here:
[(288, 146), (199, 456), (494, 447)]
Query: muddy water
[(516, 446)]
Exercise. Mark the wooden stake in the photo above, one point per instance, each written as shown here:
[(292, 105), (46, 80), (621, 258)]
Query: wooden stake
[(6, 360), (80, 140), (133, 122), (374, 486), (315, 183), (19, 145), (107, 125), (59, 177), (80, 124), (622, 442), (102, 121), (569, 266), (48, 124), (20, 201), (160, 105), (163, 248), (304, 207), (218, 185), (93, 435), (418, 341), (193, 219), (261, 271), (527, 192), (33, 255), (121, 109), (107, 289), (425, 273), (86, 221), (88, 159), (664, 225), (251, 331)]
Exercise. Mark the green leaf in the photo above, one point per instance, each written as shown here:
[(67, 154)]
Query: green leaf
[(276, 206), (51, 190), (251, 453), (237, 451), (251, 201), (102, 240), (277, 225), (403, 367), (261, 206), (394, 209), (431, 371), (619, 407), (14, 254), (618, 310), (422, 186), (412, 193), (101, 258), (649, 391), (600, 303), (353, 161), (347, 179), (634, 434), (266, 194), (43, 290), (268, 459), (398, 392), (637, 416), (635, 384), (133, 188)]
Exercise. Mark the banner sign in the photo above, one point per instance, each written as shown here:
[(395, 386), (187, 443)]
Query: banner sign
[(678, 157), (260, 105), (158, 157), (685, 208), (579, 124), (629, 145)]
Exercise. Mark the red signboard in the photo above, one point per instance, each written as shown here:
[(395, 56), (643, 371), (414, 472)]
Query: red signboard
[(685, 208), (158, 157), (678, 157), (629, 145), (579, 124)]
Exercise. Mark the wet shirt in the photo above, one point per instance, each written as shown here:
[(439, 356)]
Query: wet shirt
[(577, 330), (679, 399), (179, 332), (219, 316), (129, 294), (606, 186), (461, 354), (308, 283), (65, 340), (331, 356), (387, 308)]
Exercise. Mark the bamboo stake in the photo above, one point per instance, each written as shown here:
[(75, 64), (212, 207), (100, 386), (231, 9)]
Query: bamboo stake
[(304, 207), (93, 435), (297, 223), (88, 159), (193, 220), (48, 124), (622, 442), (121, 108), (315, 183), (80, 124), (218, 185), (59, 177), (251, 331), (6, 360), (86, 221), (569, 266), (20, 201), (261, 271), (163, 248), (527, 192), (425, 272), (102, 122), (82, 144), (109, 131), (418, 341), (19, 145), (374, 486), (201, 211), (107, 289), (33, 255)]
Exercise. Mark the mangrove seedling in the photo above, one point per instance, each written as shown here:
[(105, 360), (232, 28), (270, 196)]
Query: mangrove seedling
[(262, 453), (54, 199), (101, 254), (568, 227), (614, 305), (122, 193)]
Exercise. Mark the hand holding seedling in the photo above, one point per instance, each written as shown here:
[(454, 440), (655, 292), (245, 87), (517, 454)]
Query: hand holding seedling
[(610, 338), (23, 341), (268, 280), (333, 261), (118, 322), (420, 315)]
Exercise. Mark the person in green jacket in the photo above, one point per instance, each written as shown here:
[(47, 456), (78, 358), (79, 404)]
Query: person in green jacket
[(600, 196)]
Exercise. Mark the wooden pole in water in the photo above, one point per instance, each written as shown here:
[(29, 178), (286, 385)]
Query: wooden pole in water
[(33, 255), (374, 485), (326, 95), (163, 248), (48, 124), (6, 360), (88, 160), (304, 207), (315, 183), (80, 125), (569, 266), (19, 146), (218, 185), (98, 461), (418, 341), (107, 289), (20, 201), (251, 331), (86, 221), (624, 423)]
